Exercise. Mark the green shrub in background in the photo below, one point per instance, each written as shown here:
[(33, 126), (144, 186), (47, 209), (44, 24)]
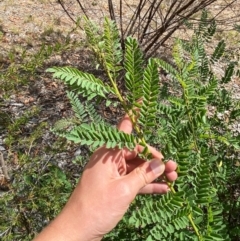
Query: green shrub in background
[(183, 118)]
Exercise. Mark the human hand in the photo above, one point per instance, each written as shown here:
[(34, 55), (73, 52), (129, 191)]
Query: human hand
[(111, 180)]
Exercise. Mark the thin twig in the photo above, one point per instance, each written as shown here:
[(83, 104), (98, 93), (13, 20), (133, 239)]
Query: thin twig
[(111, 10), (185, 11), (4, 167), (83, 9), (66, 11), (151, 12), (223, 9), (121, 25), (136, 15), (171, 8)]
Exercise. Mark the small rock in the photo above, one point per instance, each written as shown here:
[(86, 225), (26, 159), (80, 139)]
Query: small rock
[(61, 164), (17, 104), (2, 148), (77, 152)]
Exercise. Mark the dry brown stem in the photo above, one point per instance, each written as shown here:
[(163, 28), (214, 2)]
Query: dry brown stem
[(152, 22), (4, 167)]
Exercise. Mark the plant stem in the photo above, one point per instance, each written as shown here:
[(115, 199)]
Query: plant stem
[(143, 141), (122, 101), (189, 116), (194, 226), (189, 216)]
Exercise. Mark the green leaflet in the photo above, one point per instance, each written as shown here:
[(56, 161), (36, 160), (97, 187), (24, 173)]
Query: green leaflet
[(229, 72), (83, 112), (112, 48), (218, 52), (84, 81), (99, 134), (167, 67), (150, 94), (93, 33), (133, 64), (77, 107)]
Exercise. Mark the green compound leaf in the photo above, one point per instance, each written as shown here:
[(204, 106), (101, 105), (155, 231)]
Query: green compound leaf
[(112, 47), (203, 24), (84, 112), (209, 89), (150, 95), (202, 182), (77, 106), (167, 211), (84, 81), (92, 31), (178, 54), (218, 52), (229, 73), (167, 67), (100, 134), (133, 64), (62, 125), (211, 30)]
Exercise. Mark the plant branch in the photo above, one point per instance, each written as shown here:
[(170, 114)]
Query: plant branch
[(111, 11), (66, 11)]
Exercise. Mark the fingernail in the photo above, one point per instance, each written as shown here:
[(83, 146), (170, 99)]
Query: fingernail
[(157, 166)]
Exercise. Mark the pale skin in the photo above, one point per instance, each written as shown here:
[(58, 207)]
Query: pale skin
[(110, 182)]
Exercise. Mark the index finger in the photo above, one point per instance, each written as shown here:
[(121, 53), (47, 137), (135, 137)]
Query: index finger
[(125, 125), (155, 153)]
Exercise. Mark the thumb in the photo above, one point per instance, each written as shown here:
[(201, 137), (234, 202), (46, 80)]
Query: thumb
[(145, 174)]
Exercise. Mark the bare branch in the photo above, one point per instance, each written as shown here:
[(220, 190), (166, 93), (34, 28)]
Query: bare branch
[(228, 5), (82, 8), (136, 15), (150, 21), (111, 10), (66, 11)]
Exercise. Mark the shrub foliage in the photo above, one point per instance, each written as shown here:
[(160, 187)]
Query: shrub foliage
[(189, 118)]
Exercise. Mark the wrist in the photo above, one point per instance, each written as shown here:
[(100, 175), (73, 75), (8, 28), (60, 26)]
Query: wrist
[(75, 225), (70, 225)]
